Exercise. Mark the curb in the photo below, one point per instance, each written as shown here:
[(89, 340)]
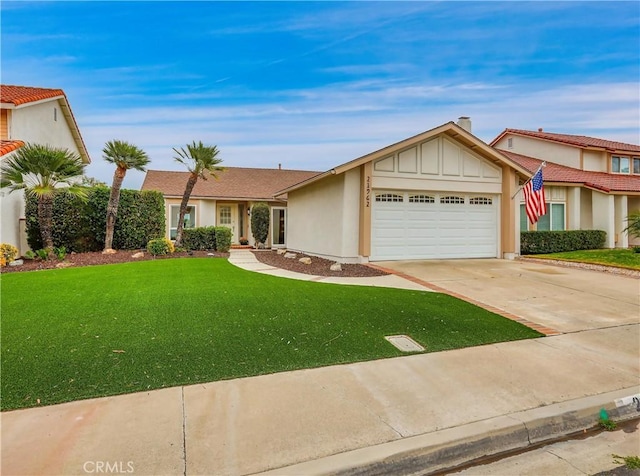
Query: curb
[(452, 447)]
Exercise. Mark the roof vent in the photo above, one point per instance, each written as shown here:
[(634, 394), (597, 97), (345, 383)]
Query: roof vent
[(539, 129), (465, 123)]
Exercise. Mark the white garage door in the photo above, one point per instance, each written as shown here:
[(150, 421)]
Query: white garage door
[(425, 225)]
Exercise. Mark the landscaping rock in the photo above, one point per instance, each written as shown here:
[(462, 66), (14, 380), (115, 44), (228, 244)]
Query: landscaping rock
[(64, 264), (17, 262), (290, 255), (335, 267), (305, 260), (211, 254), (137, 255), (109, 251), (281, 251)]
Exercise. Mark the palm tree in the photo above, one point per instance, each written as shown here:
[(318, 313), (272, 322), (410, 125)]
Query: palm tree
[(201, 160), (40, 170), (125, 156)]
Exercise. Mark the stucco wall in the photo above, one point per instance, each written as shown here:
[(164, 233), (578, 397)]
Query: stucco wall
[(543, 150), (603, 216), (586, 214), (594, 161), (12, 206), (323, 218), (36, 124), (633, 206)]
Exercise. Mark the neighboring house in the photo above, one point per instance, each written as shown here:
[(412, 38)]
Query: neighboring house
[(227, 200), (32, 115), (589, 183), (443, 193)]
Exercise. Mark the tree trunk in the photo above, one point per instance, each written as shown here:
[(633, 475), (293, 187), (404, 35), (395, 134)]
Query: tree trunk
[(112, 207), (193, 178), (45, 219)]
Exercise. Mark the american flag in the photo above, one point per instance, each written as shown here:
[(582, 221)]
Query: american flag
[(534, 197)]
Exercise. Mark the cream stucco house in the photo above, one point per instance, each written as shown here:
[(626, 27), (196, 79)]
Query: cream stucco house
[(590, 183), (443, 193), (32, 115), (227, 200)]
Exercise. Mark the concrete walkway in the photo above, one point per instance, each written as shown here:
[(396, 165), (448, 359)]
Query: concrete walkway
[(404, 415)]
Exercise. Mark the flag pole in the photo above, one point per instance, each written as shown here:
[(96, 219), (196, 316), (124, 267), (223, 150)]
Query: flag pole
[(543, 164)]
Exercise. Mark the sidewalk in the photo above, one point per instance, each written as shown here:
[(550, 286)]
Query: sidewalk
[(394, 416)]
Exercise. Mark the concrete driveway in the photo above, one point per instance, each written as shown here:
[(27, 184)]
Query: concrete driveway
[(566, 299)]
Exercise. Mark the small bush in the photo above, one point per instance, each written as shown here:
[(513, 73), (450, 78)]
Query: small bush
[(260, 222), (542, 242), (60, 252), (43, 254), (160, 246), (202, 238), (29, 255), (223, 238), (7, 253)]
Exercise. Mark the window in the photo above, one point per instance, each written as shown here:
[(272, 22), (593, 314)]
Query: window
[(389, 197), (553, 221), (510, 143), (452, 199), (480, 201), (421, 199), (225, 215), (189, 219), (619, 164), (636, 165)]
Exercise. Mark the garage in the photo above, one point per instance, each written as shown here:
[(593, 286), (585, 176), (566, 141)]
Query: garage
[(433, 225)]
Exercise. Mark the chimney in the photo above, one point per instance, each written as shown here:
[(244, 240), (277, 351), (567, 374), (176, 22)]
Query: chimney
[(465, 123), (279, 166)]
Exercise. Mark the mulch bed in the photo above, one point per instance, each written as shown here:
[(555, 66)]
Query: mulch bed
[(93, 258), (318, 266)]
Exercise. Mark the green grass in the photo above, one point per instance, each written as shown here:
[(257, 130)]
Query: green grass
[(70, 334), (622, 258)]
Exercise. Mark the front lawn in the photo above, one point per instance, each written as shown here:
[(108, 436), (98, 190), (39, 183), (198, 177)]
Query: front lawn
[(622, 258), (70, 334)]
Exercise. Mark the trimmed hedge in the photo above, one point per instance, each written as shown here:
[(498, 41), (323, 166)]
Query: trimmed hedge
[(202, 238), (81, 225), (540, 242), (260, 222), (223, 239), (207, 238)]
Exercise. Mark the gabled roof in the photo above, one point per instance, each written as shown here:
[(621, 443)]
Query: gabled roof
[(584, 142), (557, 173), (234, 183), (7, 146), (18, 95), (450, 129), (14, 97)]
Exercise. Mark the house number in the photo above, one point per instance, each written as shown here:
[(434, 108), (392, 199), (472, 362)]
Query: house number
[(368, 192)]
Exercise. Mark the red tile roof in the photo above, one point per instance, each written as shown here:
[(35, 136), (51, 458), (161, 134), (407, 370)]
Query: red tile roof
[(562, 174), (18, 95), (579, 141), (234, 183), (7, 146)]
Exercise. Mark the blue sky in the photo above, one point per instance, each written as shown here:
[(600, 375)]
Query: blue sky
[(311, 85)]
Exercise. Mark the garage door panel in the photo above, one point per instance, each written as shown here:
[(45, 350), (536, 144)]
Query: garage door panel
[(409, 230)]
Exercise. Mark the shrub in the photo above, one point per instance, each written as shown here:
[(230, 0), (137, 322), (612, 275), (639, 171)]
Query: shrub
[(7, 253), (539, 242), (80, 226), (633, 224), (223, 238), (260, 222), (201, 238), (160, 246), (60, 252)]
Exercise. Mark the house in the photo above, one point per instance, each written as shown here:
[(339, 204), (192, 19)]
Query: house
[(227, 199), (443, 193), (32, 115), (590, 183)]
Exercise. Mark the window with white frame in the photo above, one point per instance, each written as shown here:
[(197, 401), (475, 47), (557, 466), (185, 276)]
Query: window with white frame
[(620, 164), (189, 219), (452, 199), (421, 199), (389, 197), (554, 220), (480, 201), (636, 165)]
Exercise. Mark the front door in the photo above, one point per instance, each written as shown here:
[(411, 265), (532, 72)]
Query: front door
[(278, 222), (228, 216)]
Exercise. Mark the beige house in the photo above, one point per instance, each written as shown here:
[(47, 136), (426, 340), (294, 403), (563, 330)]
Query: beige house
[(443, 193), (590, 183), (32, 115), (227, 200)]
